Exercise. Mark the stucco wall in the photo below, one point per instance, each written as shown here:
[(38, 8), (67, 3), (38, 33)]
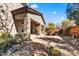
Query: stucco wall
[(19, 26)]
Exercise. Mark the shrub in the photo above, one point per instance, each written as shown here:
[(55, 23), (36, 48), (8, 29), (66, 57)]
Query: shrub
[(5, 38), (7, 41), (5, 35), (55, 52)]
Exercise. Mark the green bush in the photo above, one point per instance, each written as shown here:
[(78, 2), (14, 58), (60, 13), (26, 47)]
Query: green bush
[(5, 38), (6, 41), (55, 52), (5, 35)]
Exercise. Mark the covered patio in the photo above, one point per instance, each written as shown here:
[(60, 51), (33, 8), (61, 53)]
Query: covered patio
[(35, 27), (24, 24)]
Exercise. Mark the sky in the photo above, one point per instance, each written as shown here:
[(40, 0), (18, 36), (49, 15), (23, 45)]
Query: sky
[(52, 12)]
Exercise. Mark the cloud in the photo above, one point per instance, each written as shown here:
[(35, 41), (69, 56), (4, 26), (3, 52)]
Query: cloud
[(62, 17), (34, 6), (54, 12)]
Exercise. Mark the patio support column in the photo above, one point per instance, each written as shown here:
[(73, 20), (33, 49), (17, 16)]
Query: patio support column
[(40, 29), (44, 30), (27, 26)]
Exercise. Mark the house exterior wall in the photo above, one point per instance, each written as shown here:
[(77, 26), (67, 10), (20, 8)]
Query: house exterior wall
[(74, 30), (38, 19), (19, 26), (13, 6), (8, 7)]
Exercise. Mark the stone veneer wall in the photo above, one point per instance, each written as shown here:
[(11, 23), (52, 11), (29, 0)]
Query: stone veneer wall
[(8, 7)]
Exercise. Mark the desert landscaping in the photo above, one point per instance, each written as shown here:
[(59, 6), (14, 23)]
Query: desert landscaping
[(24, 32)]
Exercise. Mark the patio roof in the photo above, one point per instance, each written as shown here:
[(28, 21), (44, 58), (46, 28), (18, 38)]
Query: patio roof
[(27, 9)]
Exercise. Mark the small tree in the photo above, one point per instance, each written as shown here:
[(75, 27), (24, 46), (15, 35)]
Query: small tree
[(58, 26), (73, 12), (50, 29), (67, 23), (51, 25)]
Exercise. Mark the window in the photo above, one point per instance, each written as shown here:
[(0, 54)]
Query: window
[(22, 30), (22, 22), (42, 28)]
